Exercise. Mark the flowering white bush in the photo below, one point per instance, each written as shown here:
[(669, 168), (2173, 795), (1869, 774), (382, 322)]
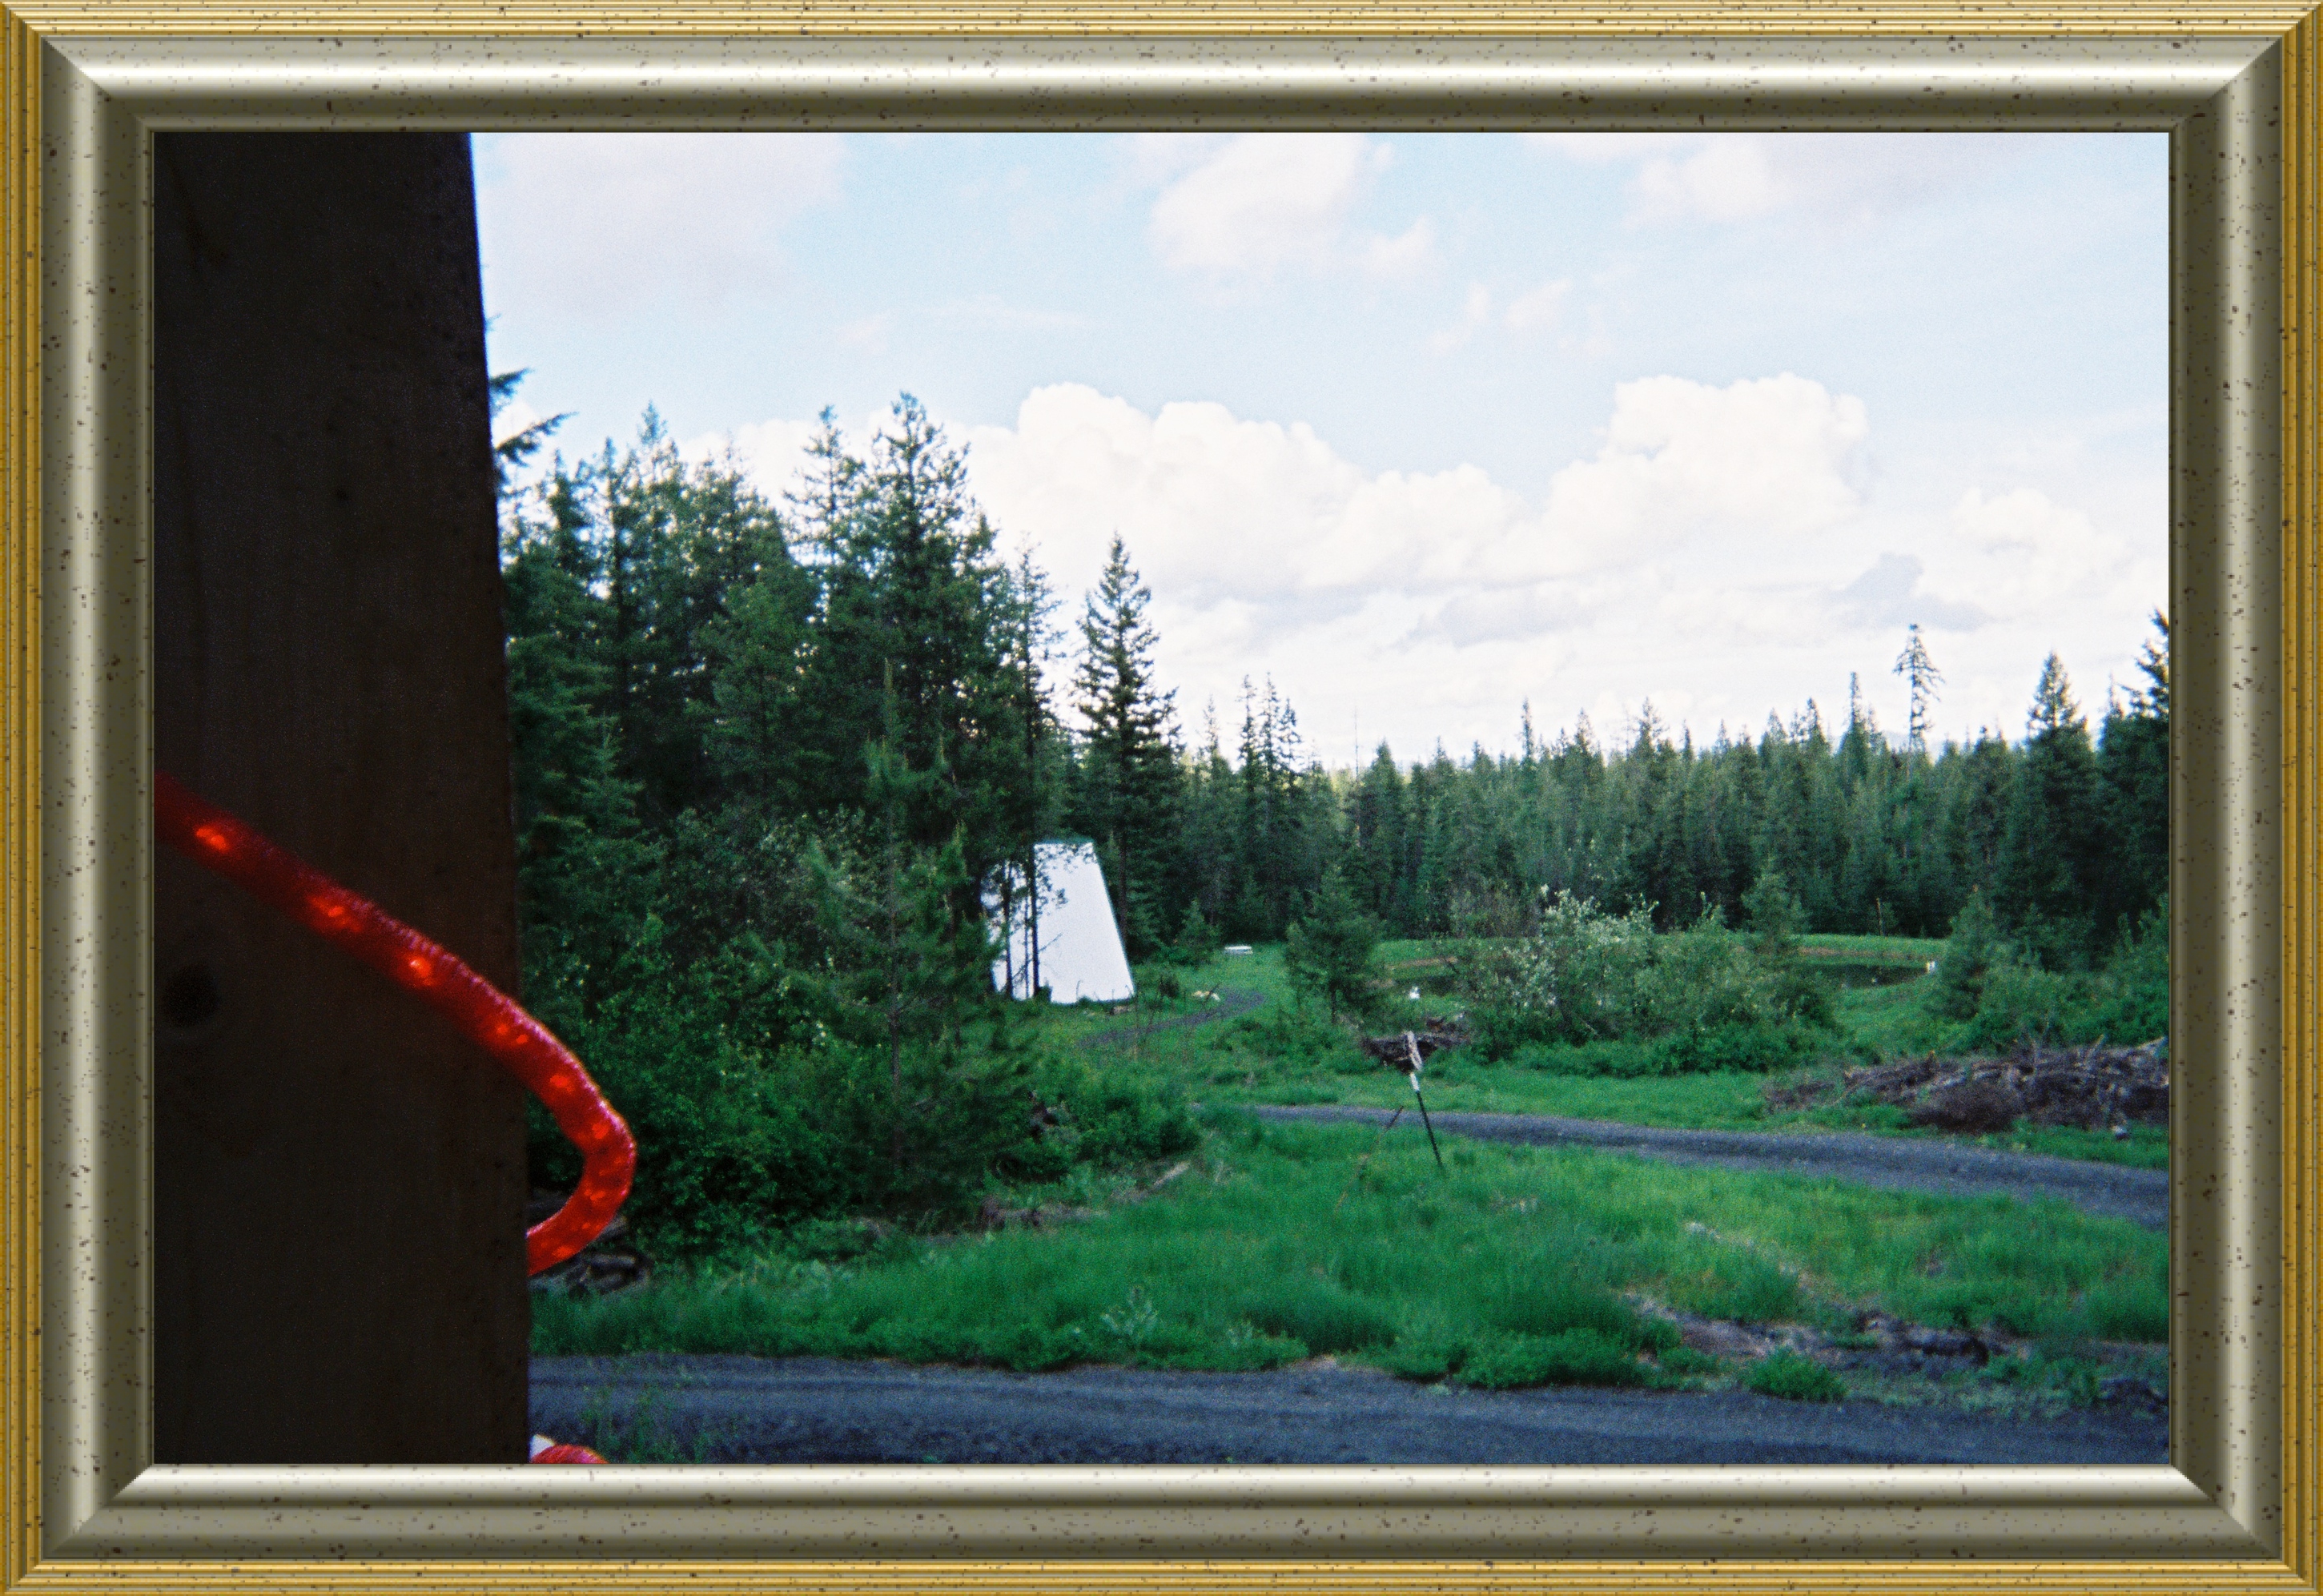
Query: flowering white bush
[(1584, 974)]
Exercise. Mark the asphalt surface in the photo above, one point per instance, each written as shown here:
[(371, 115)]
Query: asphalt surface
[(794, 1410), (1906, 1163), (802, 1410)]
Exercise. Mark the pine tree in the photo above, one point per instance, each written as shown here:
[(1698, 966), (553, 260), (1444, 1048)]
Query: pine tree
[(1329, 950), (1920, 677), (584, 869), (907, 964), (1969, 955), (911, 643), (1128, 796), (756, 651), (2046, 879), (1197, 941), (1034, 788), (1376, 827), (2134, 767)]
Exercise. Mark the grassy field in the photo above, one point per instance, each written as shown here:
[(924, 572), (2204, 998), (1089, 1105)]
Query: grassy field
[(1913, 952), (1261, 1056), (1515, 1266)]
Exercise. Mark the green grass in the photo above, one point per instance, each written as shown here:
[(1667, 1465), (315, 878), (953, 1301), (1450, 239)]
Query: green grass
[(1869, 949), (1889, 1020), (1514, 1266), (2147, 1147), (1262, 1057), (1796, 1379)]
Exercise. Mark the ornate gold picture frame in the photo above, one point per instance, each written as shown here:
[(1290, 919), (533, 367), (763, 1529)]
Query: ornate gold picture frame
[(84, 86)]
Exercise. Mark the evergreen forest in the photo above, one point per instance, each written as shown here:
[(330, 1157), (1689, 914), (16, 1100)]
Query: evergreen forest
[(771, 758)]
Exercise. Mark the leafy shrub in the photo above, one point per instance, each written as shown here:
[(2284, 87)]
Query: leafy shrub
[(725, 1140), (1326, 1316), (2023, 1003), (2017, 1000), (2131, 1002), (1708, 998), (1111, 1116), (1426, 1357), (1684, 1363), (738, 1136), (1293, 1035), (1762, 1046), (1573, 1357), (1794, 1379), (1583, 975)]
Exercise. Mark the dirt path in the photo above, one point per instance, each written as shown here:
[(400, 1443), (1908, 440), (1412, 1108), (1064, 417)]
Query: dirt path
[(1228, 1005), (1910, 1164), (798, 1410)]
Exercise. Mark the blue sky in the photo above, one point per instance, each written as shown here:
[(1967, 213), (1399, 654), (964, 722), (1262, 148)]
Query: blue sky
[(1429, 425)]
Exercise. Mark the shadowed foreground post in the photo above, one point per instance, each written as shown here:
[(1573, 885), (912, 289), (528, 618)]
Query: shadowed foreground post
[(339, 1177)]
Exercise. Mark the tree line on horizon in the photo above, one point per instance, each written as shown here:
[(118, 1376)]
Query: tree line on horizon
[(770, 758), (861, 661)]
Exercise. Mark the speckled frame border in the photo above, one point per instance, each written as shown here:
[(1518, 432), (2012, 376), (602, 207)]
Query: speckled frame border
[(85, 84)]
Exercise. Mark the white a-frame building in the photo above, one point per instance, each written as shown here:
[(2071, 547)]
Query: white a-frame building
[(1060, 934)]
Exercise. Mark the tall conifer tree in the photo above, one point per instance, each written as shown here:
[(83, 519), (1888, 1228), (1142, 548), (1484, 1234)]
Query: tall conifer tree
[(1128, 796)]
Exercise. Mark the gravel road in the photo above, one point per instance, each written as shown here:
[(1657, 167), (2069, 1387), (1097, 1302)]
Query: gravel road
[(798, 1410), (1910, 1164), (769, 1410)]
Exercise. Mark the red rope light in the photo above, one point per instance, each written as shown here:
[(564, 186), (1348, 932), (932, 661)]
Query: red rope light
[(545, 1451), (275, 876)]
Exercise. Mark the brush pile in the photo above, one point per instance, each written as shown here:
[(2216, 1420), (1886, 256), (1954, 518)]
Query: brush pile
[(612, 1262), (2093, 1088), (1395, 1052)]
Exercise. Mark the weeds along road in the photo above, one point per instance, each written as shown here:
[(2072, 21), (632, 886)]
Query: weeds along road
[(1903, 1163), (1899, 1162), (652, 1407), (727, 1409)]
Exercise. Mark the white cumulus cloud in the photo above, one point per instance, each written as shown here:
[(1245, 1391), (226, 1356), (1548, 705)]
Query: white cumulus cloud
[(1769, 457), (1827, 176), (1538, 308), (1253, 205), (1409, 254), (1716, 553)]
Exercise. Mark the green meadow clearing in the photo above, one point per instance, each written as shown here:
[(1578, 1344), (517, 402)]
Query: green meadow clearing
[(779, 767), (1243, 1244), (1274, 1055)]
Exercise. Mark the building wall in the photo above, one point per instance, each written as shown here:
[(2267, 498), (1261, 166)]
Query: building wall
[(339, 1178)]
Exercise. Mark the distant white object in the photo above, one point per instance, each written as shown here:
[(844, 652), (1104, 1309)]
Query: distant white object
[(1238, 950), (1932, 967), (1413, 996), (1082, 959)]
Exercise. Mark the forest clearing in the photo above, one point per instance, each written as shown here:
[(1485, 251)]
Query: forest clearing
[(1251, 1244), (782, 773)]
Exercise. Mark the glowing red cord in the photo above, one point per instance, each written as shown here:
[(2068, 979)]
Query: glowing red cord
[(273, 875)]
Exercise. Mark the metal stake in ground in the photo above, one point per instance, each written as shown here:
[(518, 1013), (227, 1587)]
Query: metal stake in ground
[(1411, 1046)]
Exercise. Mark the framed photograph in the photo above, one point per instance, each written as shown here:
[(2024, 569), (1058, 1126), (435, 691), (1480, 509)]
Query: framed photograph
[(88, 90)]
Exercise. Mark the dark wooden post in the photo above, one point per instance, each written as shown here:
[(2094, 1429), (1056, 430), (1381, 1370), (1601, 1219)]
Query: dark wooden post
[(339, 1178)]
